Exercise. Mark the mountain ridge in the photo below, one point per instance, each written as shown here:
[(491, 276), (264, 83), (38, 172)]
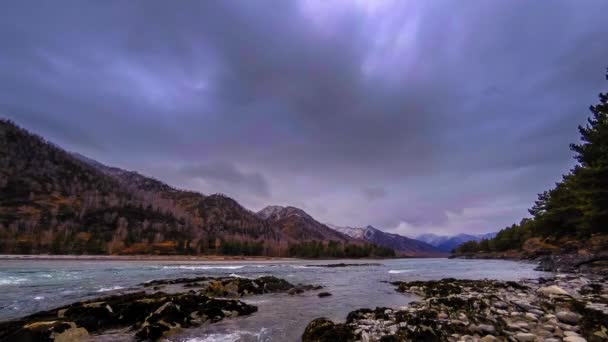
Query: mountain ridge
[(447, 243), (60, 202), (298, 224), (403, 245)]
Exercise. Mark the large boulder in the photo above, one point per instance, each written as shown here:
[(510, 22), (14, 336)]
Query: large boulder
[(324, 330)]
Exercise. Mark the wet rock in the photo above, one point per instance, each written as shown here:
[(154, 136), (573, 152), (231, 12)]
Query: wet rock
[(324, 294), (151, 315), (46, 331), (73, 334), (229, 286), (324, 330), (295, 290)]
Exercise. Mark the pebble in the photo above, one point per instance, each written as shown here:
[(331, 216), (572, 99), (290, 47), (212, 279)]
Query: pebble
[(574, 339), (552, 290), (525, 337), (488, 329), (549, 327), (568, 317)]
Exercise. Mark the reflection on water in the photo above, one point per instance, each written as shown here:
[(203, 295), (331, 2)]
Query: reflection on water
[(29, 286)]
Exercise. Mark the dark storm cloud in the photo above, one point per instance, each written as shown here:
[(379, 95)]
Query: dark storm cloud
[(458, 113), (228, 174), (373, 193)]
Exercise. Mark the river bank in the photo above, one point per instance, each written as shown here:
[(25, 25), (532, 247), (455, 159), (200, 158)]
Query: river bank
[(566, 307), (574, 262)]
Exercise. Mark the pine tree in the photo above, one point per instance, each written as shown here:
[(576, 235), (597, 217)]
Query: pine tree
[(591, 176)]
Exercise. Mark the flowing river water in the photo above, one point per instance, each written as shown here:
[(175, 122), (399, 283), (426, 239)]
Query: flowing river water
[(27, 286)]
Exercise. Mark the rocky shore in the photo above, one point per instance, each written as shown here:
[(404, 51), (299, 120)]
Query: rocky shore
[(570, 308), (162, 307)]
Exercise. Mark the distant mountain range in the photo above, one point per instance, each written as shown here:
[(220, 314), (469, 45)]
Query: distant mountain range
[(402, 245), (446, 243), (54, 201)]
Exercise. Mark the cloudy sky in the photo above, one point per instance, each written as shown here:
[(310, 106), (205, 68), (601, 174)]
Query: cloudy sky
[(413, 116)]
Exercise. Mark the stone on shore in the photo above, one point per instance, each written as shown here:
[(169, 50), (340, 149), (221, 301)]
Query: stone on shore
[(567, 307), (525, 337), (568, 317), (552, 290)]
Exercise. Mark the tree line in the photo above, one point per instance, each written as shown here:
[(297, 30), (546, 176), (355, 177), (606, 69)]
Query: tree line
[(577, 206)]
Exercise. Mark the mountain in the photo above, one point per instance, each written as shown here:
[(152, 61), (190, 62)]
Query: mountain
[(401, 244), (54, 201), (447, 243), (296, 224), (357, 233)]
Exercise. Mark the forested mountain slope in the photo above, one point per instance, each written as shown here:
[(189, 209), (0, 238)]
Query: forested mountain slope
[(52, 201)]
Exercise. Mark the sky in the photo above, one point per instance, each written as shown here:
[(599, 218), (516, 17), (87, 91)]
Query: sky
[(411, 116)]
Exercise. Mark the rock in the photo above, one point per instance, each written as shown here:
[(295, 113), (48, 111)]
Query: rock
[(488, 338), (324, 330), (530, 316), (72, 334), (324, 294), (568, 317), (500, 305), (548, 327), (294, 291), (525, 337), (150, 314), (574, 339), (570, 333), (47, 331), (552, 290), (486, 328)]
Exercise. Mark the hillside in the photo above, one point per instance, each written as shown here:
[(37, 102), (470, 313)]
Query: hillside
[(53, 201), (296, 224), (404, 246), (56, 202)]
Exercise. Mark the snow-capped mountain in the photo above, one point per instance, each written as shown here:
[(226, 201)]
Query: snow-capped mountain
[(401, 244)]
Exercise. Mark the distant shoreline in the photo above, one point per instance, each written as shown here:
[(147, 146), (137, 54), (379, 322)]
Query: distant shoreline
[(139, 257), (210, 258)]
